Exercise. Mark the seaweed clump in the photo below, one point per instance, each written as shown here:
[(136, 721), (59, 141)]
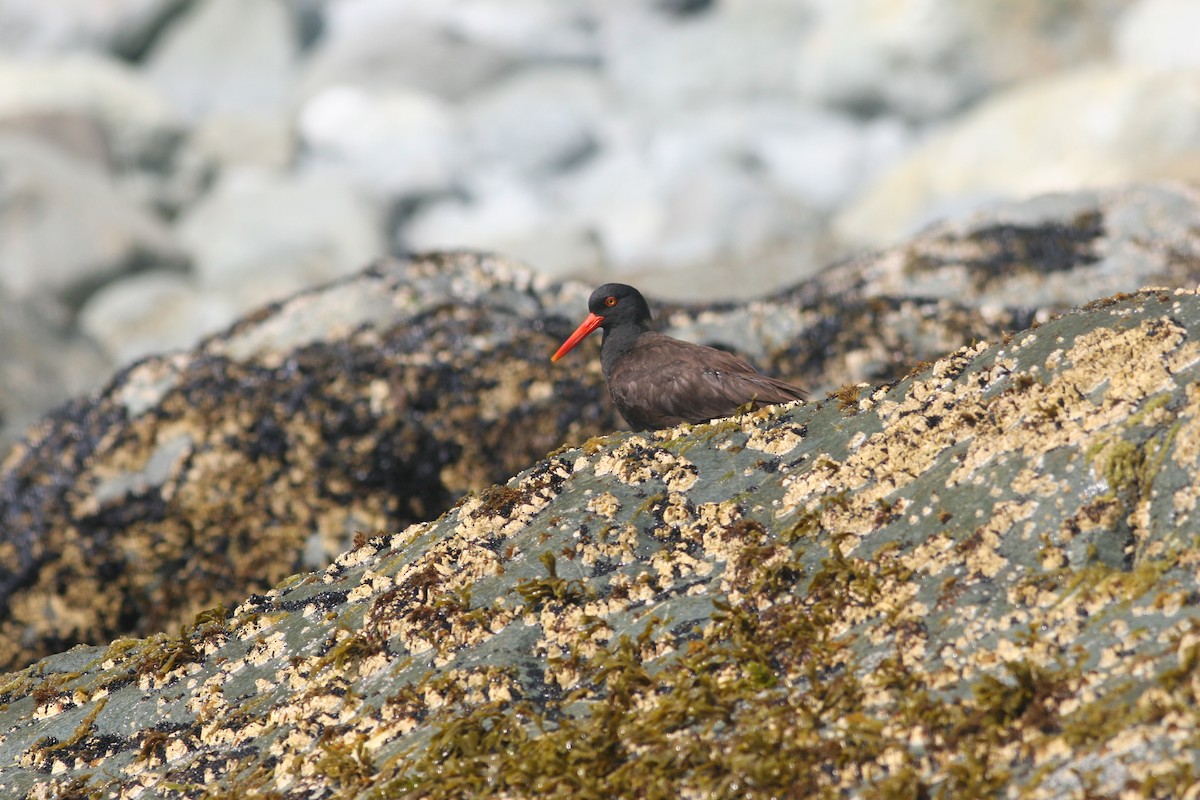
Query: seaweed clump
[(759, 703)]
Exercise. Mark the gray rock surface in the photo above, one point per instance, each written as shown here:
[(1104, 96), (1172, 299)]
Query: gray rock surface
[(995, 271), (535, 228), (1154, 33), (424, 46), (535, 124), (1052, 251), (924, 60), (136, 119), (123, 26), (290, 233), (660, 203), (980, 581), (737, 52), (398, 143), (44, 362), (202, 62), (151, 313), (65, 227)]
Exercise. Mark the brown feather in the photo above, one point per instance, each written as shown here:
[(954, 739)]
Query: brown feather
[(663, 381)]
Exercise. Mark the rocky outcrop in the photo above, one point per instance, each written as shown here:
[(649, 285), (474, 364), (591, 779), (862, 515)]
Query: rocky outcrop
[(980, 580), (380, 400), (872, 318), (198, 478)]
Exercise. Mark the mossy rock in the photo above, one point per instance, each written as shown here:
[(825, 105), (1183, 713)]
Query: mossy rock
[(978, 581)]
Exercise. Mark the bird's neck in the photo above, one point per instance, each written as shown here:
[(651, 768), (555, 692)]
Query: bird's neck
[(617, 342)]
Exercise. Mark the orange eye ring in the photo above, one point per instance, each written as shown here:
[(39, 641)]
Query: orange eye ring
[(610, 301)]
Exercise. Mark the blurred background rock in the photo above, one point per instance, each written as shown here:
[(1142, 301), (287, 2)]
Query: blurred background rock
[(166, 165)]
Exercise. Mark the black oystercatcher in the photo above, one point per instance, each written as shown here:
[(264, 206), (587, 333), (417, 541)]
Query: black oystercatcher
[(657, 381)]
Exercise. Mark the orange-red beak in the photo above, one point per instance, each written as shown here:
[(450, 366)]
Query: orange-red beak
[(590, 324)]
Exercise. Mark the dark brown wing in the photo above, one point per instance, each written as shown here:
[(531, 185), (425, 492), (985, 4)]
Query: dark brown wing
[(665, 381)]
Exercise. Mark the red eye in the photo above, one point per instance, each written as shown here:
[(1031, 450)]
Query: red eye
[(610, 301)]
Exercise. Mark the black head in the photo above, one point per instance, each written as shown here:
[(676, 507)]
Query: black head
[(618, 305), (619, 309)]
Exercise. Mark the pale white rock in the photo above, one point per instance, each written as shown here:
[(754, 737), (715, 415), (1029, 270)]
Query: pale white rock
[(261, 236), (382, 45), (541, 30), (927, 59), (752, 273), (535, 123), (696, 190), (65, 227), (693, 208), (226, 56), (250, 139), (153, 312), (77, 133), (506, 217), (44, 361), (1161, 34), (823, 158), (876, 54), (744, 51), (135, 116), (397, 142), (50, 27), (1091, 127), (617, 196), (135, 131), (168, 178)]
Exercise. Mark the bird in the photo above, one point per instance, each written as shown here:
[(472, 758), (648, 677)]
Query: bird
[(657, 381)]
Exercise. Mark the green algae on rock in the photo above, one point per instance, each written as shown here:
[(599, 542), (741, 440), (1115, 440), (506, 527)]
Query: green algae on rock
[(970, 586)]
